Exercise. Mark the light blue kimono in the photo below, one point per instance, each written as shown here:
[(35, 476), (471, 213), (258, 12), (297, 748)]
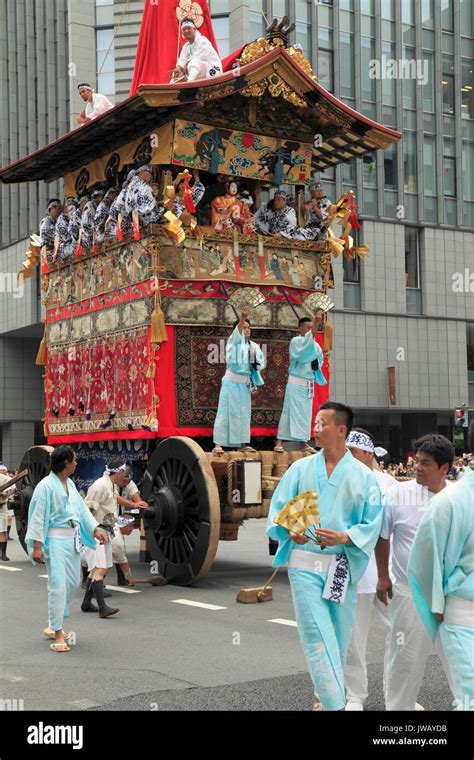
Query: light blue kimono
[(349, 501), (50, 507), (232, 425), (295, 420), (441, 565)]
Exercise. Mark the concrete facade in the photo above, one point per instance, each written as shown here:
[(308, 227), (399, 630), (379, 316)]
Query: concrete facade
[(46, 49)]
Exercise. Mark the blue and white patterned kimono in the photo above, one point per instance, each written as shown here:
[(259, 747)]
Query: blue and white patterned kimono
[(66, 244), (349, 501), (441, 579), (51, 508), (232, 425), (295, 420)]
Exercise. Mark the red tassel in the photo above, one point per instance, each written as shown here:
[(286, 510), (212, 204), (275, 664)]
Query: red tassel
[(78, 251), (118, 228), (188, 202), (353, 221)]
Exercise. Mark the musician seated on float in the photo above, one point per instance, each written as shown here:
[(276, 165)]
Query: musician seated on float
[(279, 218), (103, 212), (139, 198), (180, 203), (198, 59), (317, 211)]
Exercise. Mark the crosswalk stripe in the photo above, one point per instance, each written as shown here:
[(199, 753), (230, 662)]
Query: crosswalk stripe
[(122, 590), (282, 621), (11, 569), (42, 576), (198, 604)]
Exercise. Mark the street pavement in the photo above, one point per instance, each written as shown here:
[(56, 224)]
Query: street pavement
[(161, 653)]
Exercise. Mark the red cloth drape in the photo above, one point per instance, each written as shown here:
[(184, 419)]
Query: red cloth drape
[(158, 50)]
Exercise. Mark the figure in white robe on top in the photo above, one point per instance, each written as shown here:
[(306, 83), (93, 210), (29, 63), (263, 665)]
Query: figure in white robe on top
[(324, 576), (198, 59), (441, 578), (306, 361)]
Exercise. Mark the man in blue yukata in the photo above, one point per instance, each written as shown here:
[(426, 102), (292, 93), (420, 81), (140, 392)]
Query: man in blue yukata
[(244, 360), (324, 575), (306, 361), (58, 521), (441, 579)]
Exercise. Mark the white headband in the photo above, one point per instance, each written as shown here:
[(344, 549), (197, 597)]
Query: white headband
[(363, 442), (114, 470)]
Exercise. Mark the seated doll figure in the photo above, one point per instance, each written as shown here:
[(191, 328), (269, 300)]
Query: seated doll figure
[(229, 211)]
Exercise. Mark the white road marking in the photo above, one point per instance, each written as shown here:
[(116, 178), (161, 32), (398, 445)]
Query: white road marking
[(11, 569), (42, 576), (198, 604), (12, 679), (122, 590), (282, 621)]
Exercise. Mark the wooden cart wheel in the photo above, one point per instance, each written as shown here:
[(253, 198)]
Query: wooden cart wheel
[(182, 522), (38, 462)]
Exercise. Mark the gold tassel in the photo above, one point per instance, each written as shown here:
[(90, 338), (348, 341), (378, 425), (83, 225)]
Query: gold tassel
[(151, 371), (41, 355), (158, 327), (328, 333)]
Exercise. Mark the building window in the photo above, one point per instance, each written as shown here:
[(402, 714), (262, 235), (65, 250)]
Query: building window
[(408, 12), (427, 13), (367, 55), (279, 9), (351, 277), (409, 159), (467, 91), (222, 32), (447, 83), (369, 170), (470, 361), (412, 270), (449, 168), (257, 21), (390, 168), (409, 83), (104, 12), (387, 9), (429, 161), (347, 65), (105, 62), (447, 18), (325, 70), (428, 89)]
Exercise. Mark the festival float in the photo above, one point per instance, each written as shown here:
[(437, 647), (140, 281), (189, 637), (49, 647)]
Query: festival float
[(135, 329)]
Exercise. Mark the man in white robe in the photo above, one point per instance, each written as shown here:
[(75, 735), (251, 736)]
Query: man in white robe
[(323, 575), (441, 578), (96, 104), (404, 507), (198, 59), (101, 498), (362, 446), (306, 361)]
